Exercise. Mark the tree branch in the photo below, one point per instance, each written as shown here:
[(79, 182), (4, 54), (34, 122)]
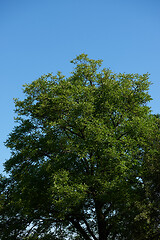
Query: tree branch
[(77, 225), (89, 230)]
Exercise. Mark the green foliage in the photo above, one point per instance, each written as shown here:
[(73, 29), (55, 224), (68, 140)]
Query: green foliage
[(81, 158)]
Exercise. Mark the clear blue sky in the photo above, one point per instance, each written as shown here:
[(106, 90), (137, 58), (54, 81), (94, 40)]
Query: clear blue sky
[(38, 37)]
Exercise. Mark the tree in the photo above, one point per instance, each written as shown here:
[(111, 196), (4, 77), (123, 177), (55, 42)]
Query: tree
[(78, 163), (151, 182)]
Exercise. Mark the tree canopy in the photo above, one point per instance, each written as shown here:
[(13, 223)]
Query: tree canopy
[(84, 158)]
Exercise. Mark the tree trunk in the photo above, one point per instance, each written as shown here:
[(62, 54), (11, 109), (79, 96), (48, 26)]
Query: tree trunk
[(102, 230)]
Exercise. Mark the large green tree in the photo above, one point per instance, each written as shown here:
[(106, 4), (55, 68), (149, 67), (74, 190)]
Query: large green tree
[(81, 154)]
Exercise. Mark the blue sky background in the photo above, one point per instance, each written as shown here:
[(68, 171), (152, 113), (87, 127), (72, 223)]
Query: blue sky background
[(38, 37)]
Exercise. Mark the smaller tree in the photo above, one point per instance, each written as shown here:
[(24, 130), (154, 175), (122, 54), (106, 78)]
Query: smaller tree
[(151, 183)]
